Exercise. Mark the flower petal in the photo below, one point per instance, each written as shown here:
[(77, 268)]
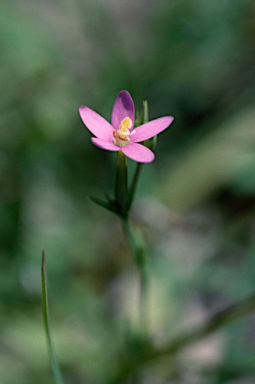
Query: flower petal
[(123, 107), (96, 123), (108, 145), (139, 153), (152, 128)]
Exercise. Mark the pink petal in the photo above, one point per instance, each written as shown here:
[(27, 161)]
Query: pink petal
[(96, 123), (108, 145), (123, 107), (138, 152), (151, 129)]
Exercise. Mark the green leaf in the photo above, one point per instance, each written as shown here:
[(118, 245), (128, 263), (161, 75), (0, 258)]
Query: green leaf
[(110, 206), (45, 306)]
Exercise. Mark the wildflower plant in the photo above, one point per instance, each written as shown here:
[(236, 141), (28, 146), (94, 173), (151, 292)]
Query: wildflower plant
[(124, 138), (136, 139)]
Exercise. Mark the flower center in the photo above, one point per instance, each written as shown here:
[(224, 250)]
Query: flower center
[(121, 135)]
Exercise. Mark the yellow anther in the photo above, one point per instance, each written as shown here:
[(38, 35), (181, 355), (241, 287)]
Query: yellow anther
[(124, 127), (121, 135)]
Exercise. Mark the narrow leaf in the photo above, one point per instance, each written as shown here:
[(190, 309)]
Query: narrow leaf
[(105, 204), (54, 364)]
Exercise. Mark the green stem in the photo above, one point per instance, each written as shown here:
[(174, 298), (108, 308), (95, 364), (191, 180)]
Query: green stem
[(139, 254), (54, 364), (121, 189), (133, 187), (145, 115)]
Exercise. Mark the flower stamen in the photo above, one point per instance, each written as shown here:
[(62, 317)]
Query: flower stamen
[(121, 135)]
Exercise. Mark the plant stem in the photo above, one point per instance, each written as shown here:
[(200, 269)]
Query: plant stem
[(121, 180), (54, 364), (139, 254), (133, 187)]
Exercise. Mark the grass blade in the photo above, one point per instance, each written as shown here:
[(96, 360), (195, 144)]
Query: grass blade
[(54, 364)]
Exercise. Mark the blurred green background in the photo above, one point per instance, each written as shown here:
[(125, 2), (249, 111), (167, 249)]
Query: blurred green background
[(194, 60)]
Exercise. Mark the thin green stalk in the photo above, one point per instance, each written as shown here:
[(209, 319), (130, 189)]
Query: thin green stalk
[(145, 115), (121, 181), (139, 254), (54, 364), (133, 186)]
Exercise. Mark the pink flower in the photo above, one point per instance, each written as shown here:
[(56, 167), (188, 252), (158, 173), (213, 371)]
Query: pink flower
[(121, 134)]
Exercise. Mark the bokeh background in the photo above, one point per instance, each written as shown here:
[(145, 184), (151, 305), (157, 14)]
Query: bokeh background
[(191, 59)]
